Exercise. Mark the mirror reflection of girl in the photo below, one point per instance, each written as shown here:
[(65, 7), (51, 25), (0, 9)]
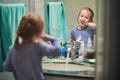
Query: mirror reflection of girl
[(86, 27), (25, 58)]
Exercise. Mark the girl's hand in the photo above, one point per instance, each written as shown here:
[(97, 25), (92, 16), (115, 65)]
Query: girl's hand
[(69, 41), (54, 41), (46, 37), (91, 24)]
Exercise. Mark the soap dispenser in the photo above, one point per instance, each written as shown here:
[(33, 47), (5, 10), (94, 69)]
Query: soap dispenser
[(89, 49)]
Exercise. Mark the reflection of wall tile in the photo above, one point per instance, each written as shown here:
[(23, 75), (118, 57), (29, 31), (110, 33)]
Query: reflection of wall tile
[(52, 0), (39, 8)]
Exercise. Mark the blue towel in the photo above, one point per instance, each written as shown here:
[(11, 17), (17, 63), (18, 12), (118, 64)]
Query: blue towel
[(10, 16), (56, 21)]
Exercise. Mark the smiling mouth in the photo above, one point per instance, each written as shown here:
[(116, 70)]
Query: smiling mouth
[(83, 22)]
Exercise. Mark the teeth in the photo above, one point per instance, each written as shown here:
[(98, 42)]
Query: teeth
[(83, 22)]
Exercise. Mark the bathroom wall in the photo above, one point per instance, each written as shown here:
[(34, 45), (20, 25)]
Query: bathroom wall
[(72, 8), (38, 7)]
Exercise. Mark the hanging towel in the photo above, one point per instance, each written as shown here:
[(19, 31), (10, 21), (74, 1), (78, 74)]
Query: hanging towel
[(55, 20), (10, 16)]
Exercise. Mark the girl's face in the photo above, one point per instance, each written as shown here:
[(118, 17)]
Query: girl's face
[(84, 18)]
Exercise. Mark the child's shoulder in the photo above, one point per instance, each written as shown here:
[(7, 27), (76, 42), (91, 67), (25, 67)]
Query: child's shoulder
[(11, 49), (74, 28)]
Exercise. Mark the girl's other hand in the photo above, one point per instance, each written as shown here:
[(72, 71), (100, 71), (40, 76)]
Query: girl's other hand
[(69, 41), (46, 37), (91, 24)]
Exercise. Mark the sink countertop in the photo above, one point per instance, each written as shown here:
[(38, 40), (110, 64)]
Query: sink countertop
[(54, 67)]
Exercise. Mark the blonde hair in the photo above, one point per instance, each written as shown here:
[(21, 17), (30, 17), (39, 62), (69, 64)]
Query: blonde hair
[(30, 25), (89, 9)]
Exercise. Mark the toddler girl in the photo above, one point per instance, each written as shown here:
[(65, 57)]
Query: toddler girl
[(86, 28), (25, 57)]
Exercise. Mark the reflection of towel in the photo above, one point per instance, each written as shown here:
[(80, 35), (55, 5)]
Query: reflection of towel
[(56, 20), (10, 15)]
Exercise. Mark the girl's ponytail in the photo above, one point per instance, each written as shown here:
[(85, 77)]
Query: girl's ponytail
[(16, 44), (30, 25)]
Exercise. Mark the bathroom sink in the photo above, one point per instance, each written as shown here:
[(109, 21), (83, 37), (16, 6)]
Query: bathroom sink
[(55, 60), (68, 69)]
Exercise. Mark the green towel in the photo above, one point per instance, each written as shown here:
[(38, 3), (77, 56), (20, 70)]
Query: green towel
[(55, 20), (10, 16)]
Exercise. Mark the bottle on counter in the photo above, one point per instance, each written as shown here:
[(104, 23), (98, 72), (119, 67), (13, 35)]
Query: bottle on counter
[(89, 45), (81, 51), (62, 51), (89, 49), (78, 43), (73, 51)]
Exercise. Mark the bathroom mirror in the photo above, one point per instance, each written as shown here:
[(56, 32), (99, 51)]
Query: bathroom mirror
[(67, 67), (71, 10)]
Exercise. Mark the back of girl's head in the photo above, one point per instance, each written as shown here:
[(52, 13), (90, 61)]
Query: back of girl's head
[(90, 10), (30, 25)]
